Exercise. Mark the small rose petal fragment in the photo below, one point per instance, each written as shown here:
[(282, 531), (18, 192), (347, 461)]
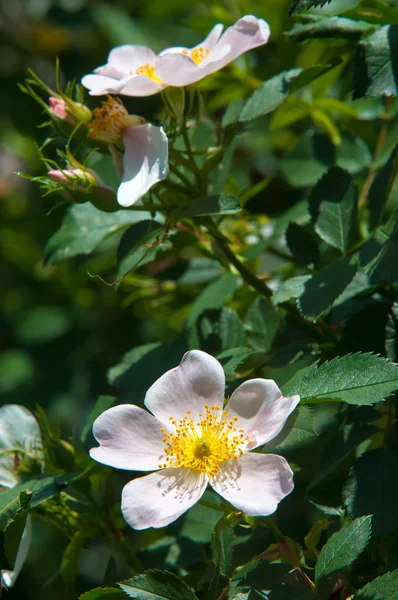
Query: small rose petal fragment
[(145, 161), (129, 438), (255, 483), (261, 408), (160, 498), (198, 380)]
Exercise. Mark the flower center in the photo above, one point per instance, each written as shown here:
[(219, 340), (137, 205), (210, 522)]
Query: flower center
[(149, 71), (109, 120), (197, 54), (203, 444)]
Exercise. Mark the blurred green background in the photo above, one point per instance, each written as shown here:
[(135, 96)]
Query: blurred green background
[(61, 330)]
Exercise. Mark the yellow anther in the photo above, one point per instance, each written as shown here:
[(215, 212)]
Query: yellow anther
[(202, 445), (149, 71), (199, 54), (109, 120)]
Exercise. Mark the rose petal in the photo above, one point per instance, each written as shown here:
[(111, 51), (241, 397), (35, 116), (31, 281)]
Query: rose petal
[(208, 43), (9, 577), (254, 483), (100, 84), (211, 40), (140, 85), (145, 161), (18, 429), (160, 498), (129, 57), (180, 70), (198, 380), (129, 438), (261, 409)]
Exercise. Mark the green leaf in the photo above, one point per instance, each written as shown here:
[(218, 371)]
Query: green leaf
[(381, 588), (157, 585), (142, 365), (261, 323), (297, 6), (340, 445), (297, 432), (83, 229), (310, 158), (199, 522), (212, 205), (392, 334), (258, 575), (291, 288), (43, 487), (380, 190), (70, 561), (139, 245), (9, 510), (343, 548), (373, 487), (102, 404), (325, 27), (213, 296), (232, 358), (379, 255), (271, 94), (323, 289), (302, 245), (293, 110), (355, 379), (12, 532), (376, 71), (373, 11), (222, 546), (231, 330), (103, 594), (333, 208)]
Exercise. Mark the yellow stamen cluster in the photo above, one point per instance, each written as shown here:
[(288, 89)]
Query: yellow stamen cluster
[(197, 54), (109, 120), (149, 71), (201, 445)]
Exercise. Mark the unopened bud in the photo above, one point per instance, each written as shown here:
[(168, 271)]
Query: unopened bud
[(67, 110), (86, 185)]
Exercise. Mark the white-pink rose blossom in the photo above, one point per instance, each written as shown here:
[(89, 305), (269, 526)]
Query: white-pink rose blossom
[(134, 70), (144, 161), (189, 441), (19, 430)]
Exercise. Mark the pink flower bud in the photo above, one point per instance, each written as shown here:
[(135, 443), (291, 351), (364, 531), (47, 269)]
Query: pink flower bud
[(82, 181), (70, 111), (58, 108)]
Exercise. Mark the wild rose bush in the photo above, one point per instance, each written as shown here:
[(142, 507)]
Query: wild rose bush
[(223, 219)]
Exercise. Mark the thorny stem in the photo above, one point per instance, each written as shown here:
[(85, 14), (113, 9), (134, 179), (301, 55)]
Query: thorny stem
[(247, 275), (280, 539), (182, 177), (320, 327), (374, 170), (225, 590)]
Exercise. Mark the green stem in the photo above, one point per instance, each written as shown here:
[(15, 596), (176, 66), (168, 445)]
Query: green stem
[(193, 164), (379, 147), (273, 528), (247, 275)]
